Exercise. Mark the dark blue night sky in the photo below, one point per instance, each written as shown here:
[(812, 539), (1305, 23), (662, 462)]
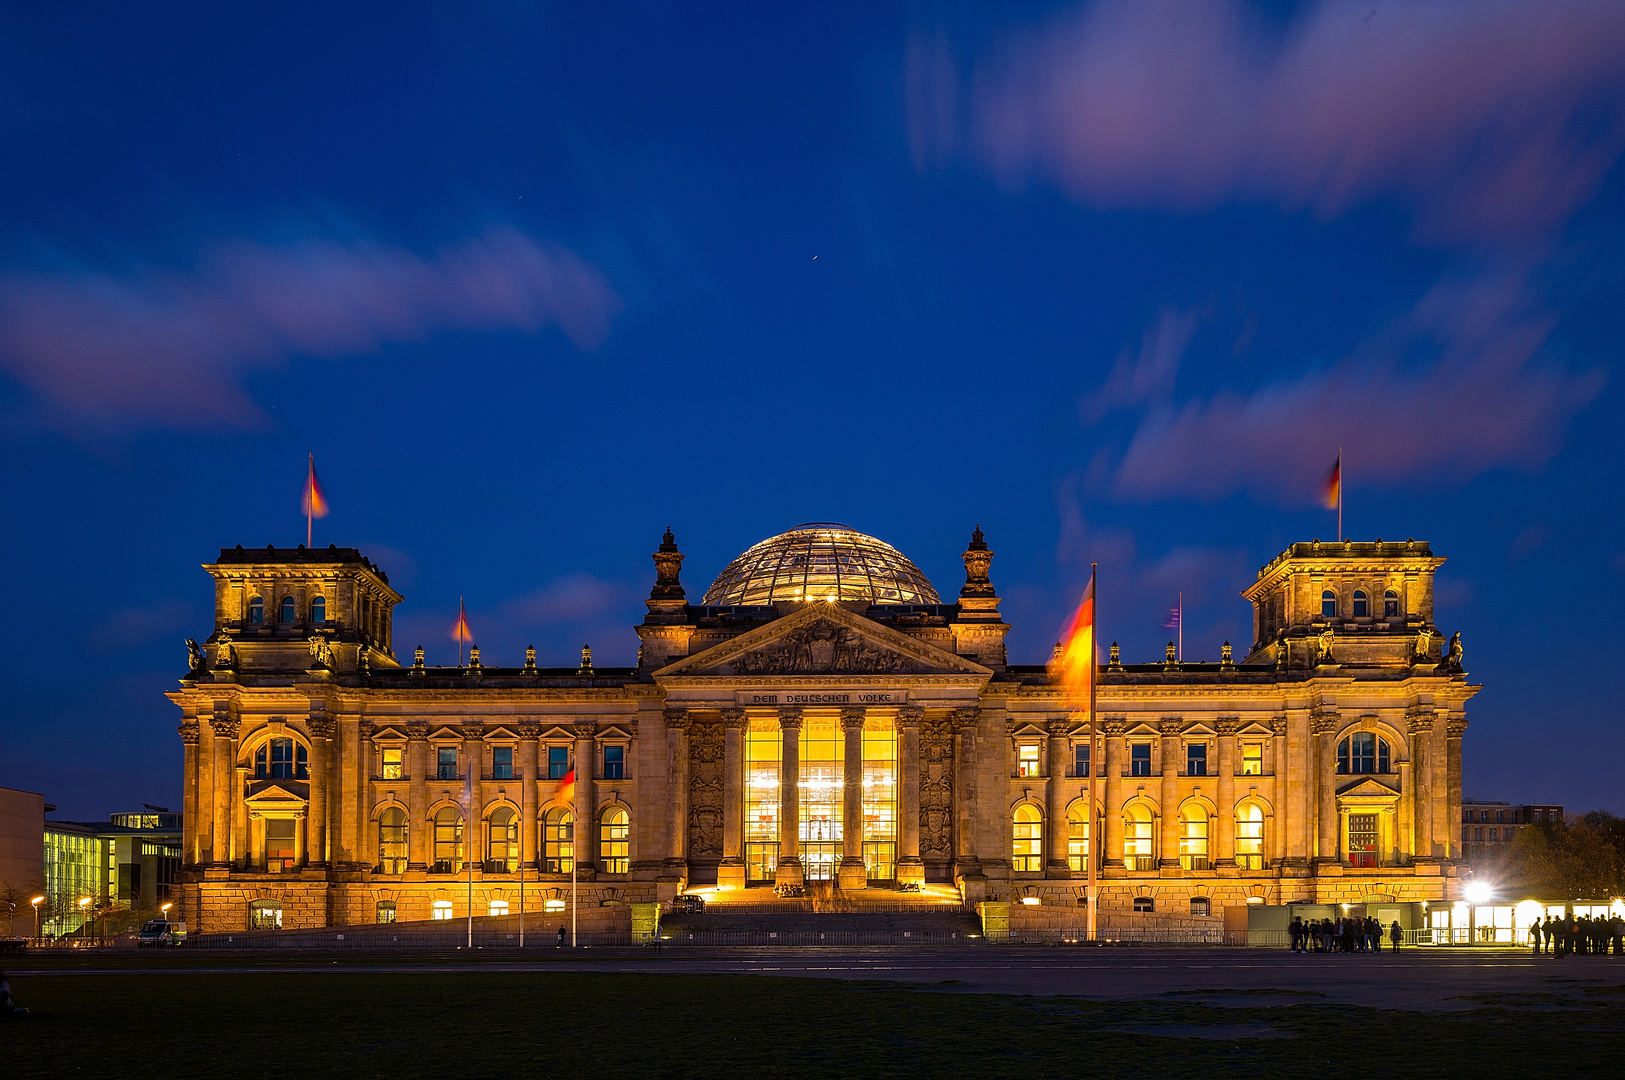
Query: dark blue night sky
[(533, 282)]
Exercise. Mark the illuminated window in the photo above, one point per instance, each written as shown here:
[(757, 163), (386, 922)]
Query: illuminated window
[(1390, 605), (1328, 604), (392, 851), (280, 854), (1144, 903), (880, 803), (1362, 752), (558, 762), (448, 841), (1027, 763), (614, 841), (502, 763), (1080, 759), (1139, 759), (1028, 851), (497, 908), (256, 610), (287, 610), (1362, 839), (265, 915), (1201, 905), (1361, 608), (502, 841), (1196, 759), (1249, 837), (614, 762), (393, 763), (558, 841), (1252, 759), (822, 802), (763, 747), (1137, 853), (445, 763), (554, 904), (386, 911), (318, 609), (1077, 836), (1193, 839), (440, 910), (281, 759)]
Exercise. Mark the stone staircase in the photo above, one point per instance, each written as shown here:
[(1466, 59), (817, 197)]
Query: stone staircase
[(757, 917)]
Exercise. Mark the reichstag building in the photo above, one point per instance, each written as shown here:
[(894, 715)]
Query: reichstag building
[(821, 715)]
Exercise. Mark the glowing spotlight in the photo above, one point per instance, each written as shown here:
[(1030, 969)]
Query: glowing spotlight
[(1477, 892)]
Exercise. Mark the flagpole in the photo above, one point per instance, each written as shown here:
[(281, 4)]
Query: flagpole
[(468, 791), (1181, 654), (310, 508), (1089, 781), (521, 895), (1339, 494), (575, 857)]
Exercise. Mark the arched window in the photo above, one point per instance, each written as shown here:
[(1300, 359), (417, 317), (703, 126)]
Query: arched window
[(281, 759), (1249, 837), (318, 610), (1077, 836), (1028, 852), (1362, 752), (1137, 853), (448, 841), (614, 841), (287, 610), (1193, 838), (386, 911), (392, 841), (1390, 605), (1201, 905), (1361, 608), (502, 843), (256, 610), (265, 915), (1328, 604), (497, 908), (440, 910), (1145, 903), (558, 841)]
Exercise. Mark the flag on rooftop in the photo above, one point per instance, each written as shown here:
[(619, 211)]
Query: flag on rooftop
[(1078, 651), (1331, 492)]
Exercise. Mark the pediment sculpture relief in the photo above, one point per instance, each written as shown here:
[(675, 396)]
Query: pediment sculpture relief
[(820, 648)]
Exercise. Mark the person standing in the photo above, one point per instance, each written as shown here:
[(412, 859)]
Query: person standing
[(1295, 931), (560, 944), (1394, 934), (1534, 935)]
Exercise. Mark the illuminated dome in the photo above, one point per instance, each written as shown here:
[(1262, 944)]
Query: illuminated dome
[(821, 561)]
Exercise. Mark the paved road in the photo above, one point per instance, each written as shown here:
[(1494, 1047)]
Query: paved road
[(1425, 979)]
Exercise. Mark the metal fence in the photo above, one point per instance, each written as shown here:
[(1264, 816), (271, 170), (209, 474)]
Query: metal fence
[(340, 939)]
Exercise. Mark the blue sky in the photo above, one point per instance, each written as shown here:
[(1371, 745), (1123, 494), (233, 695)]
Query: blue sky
[(533, 282)]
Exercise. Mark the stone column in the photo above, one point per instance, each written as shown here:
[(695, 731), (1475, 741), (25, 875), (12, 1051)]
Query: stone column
[(529, 733), (1455, 728), (967, 862), (256, 841), (851, 873), (910, 867), (789, 871), (1446, 827), (474, 773), (586, 833), (1419, 725), (676, 862), (239, 817), (225, 756), (1294, 777), (1112, 811), (1169, 798), (418, 829), (1055, 827), (364, 834), (731, 870), (189, 784), (321, 740), (1323, 725), (1226, 846)]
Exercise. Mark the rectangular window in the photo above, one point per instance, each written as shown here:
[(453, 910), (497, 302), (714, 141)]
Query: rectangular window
[(1466, 833), (1139, 759), (1027, 763), (1080, 759), (1478, 835), (1500, 815), (1252, 759), (880, 803), (823, 772), (393, 769), (1196, 759), (280, 856), (763, 746), (1363, 839), (446, 763), (558, 762), (614, 762), (502, 763)]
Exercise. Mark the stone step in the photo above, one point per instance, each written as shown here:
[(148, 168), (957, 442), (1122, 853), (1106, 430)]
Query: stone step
[(719, 920)]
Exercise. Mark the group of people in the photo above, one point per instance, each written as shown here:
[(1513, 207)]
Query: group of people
[(1562, 936), (1346, 934)]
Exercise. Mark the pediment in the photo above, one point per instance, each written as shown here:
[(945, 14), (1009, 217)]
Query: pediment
[(278, 795), (1367, 788), (823, 639)]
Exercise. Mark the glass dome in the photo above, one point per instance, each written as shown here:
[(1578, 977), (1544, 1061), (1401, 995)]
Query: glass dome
[(821, 561)]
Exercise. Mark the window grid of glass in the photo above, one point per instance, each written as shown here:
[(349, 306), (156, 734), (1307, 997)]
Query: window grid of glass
[(1077, 837), (1027, 850), (880, 803), (392, 850), (1250, 837), (822, 797), (502, 840), (764, 746), (448, 841), (558, 841), (821, 561), (1193, 840), (614, 841)]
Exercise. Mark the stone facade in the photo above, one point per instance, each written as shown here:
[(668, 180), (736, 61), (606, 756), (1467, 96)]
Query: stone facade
[(324, 779)]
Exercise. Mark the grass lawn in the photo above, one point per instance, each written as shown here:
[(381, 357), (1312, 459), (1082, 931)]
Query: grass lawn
[(505, 1024)]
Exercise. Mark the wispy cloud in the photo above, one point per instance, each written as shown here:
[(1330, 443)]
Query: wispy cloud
[(1495, 120), (170, 346), (1457, 386)]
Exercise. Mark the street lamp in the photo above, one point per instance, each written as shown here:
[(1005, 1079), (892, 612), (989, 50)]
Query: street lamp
[(36, 902), (84, 903), (1475, 893)]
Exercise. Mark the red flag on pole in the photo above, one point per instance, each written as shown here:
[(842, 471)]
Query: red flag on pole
[(1078, 652), (314, 503), (566, 791), (460, 631), (1331, 492)]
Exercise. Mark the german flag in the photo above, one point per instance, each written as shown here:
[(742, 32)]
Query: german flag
[(566, 792), (1331, 492), (1078, 651), (314, 503)]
